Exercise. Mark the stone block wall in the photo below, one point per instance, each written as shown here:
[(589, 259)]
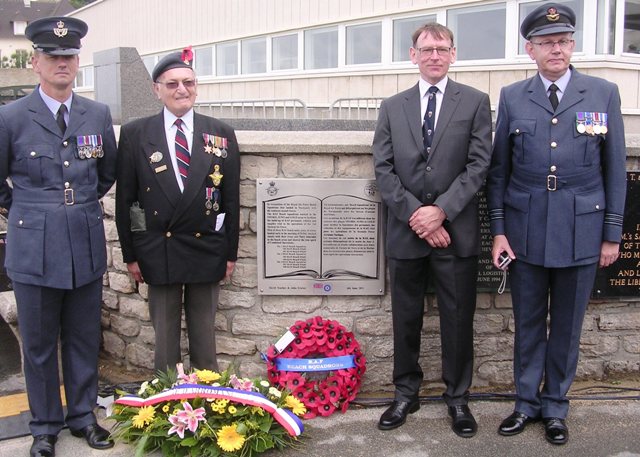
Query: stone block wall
[(248, 323)]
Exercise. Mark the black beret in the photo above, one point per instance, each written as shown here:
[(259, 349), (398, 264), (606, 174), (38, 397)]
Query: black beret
[(179, 59), (548, 19), (58, 36)]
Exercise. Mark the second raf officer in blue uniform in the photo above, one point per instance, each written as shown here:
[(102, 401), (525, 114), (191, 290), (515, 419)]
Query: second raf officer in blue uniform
[(59, 151), (556, 191)]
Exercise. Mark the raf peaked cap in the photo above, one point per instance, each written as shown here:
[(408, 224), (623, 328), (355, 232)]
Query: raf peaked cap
[(179, 59), (59, 36), (548, 19)]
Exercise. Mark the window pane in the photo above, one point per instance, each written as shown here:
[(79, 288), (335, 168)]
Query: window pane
[(284, 52), (479, 32), (631, 41), (80, 78), (227, 59), (204, 61), (576, 5), (254, 56), (321, 48), (402, 31), (364, 43), (88, 76)]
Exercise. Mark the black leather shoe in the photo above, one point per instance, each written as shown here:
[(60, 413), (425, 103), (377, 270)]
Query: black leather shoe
[(396, 414), (555, 430), (96, 436), (515, 424), (43, 446), (463, 423)]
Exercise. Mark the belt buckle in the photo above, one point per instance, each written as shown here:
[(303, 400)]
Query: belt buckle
[(552, 183), (69, 197)]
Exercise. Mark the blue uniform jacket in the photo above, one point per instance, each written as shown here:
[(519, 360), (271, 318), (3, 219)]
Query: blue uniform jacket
[(55, 236), (557, 193)]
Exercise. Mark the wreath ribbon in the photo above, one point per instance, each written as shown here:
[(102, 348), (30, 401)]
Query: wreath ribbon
[(286, 418), (326, 364)]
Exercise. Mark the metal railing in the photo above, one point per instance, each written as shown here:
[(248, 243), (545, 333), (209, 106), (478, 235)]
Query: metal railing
[(277, 108), (359, 108)]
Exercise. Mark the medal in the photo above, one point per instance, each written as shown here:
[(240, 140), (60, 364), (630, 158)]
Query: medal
[(603, 128), (156, 157), (596, 124), (580, 128), (216, 176), (208, 196), (589, 123), (216, 207)]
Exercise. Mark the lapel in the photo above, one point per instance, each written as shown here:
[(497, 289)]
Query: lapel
[(157, 141), (41, 113), (411, 109), (450, 102), (76, 117), (574, 93), (199, 167)]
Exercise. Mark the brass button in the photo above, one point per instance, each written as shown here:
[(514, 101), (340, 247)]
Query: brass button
[(552, 169), (597, 206), (198, 235), (148, 189), (33, 153), (554, 121), (554, 144), (67, 185), (155, 213), (517, 131), (20, 222), (168, 234), (65, 143), (207, 212), (66, 163)]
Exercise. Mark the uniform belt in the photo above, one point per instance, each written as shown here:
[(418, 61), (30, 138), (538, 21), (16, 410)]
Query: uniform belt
[(63, 196), (554, 181)]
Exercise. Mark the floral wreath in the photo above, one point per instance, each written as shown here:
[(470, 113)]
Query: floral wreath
[(322, 366)]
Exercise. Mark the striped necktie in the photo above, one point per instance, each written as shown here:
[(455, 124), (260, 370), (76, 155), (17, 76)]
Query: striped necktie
[(429, 124), (182, 151)]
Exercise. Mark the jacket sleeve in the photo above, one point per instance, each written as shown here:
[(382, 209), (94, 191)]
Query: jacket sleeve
[(107, 164), (231, 196), (126, 194)]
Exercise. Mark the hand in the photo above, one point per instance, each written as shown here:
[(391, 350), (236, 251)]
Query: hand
[(134, 270), (609, 253), (439, 238), (500, 245), (230, 266), (426, 219)]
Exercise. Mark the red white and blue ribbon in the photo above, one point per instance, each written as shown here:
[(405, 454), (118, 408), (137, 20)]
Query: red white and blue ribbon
[(284, 417), (325, 364)]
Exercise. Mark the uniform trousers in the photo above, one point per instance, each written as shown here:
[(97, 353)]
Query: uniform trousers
[(455, 284), (72, 315), (200, 305), (551, 351)]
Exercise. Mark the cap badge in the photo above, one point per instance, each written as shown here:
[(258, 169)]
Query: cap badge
[(187, 55), (61, 30), (552, 14)]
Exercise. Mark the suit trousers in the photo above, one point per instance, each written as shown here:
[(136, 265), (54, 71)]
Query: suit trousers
[(455, 284), (562, 294), (73, 315), (200, 305)]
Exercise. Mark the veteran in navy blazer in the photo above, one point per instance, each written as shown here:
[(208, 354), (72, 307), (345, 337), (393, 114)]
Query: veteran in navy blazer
[(59, 151), (430, 161), (556, 193), (179, 222)]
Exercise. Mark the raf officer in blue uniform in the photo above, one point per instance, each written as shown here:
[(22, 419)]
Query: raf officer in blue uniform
[(556, 191), (59, 151)]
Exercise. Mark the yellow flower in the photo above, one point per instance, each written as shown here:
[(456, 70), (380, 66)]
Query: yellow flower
[(165, 409), (257, 410), (232, 409), (229, 439), (295, 405), (144, 417), (207, 376)]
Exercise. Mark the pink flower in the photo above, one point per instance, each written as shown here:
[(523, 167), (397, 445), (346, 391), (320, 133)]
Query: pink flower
[(190, 417), (241, 384), (186, 379), (178, 427)]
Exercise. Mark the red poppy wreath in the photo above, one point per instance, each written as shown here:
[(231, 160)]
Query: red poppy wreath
[(322, 365)]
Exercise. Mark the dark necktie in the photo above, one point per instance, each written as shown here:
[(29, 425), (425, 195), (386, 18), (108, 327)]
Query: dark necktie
[(60, 118), (553, 96), (428, 126), (182, 151)]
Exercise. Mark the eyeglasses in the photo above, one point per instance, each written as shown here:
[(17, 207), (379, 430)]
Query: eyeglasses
[(427, 52), (549, 45), (173, 85)]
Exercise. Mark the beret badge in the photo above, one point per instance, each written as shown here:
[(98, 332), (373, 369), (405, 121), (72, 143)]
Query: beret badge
[(552, 14), (60, 31)]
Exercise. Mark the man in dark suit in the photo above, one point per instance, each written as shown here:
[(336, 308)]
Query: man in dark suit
[(431, 150), (59, 151), (177, 212), (556, 192)]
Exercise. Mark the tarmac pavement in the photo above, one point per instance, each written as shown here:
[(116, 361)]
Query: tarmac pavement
[(597, 428)]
